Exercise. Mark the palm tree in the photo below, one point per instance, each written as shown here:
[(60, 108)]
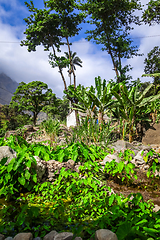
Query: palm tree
[(75, 60)]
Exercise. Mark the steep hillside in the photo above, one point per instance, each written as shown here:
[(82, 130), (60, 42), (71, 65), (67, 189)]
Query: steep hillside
[(7, 88)]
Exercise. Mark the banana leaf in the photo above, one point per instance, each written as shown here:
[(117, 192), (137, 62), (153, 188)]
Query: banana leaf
[(143, 94)]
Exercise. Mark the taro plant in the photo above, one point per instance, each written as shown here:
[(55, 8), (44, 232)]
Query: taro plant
[(16, 176), (81, 205), (120, 172), (78, 151)]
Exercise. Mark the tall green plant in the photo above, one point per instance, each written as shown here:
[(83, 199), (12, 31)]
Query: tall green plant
[(132, 101), (52, 129), (90, 132)]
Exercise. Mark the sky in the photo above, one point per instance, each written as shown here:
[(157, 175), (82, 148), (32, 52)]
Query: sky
[(24, 66)]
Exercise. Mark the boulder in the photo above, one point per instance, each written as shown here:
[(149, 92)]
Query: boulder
[(64, 236), (109, 158), (23, 236), (122, 145), (139, 158), (152, 135), (2, 237), (105, 234), (50, 236), (40, 168), (156, 208), (6, 151), (8, 238)]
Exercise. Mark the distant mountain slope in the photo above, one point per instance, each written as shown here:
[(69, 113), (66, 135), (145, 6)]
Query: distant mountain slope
[(7, 88)]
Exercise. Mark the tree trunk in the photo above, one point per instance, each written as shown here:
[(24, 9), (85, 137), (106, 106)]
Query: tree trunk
[(60, 70), (34, 118), (74, 75), (141, 129), (154, 116), (77, 118), (113, 60), (123, 130), (131, 133)]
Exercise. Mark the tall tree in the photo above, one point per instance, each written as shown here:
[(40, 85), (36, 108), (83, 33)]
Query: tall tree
[(34, 97), (52, 27), (152, 66), (112, 20), (11, 118), (152, 14)]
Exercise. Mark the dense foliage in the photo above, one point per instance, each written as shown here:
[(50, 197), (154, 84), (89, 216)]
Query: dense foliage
[(77, 202), (34, 97)]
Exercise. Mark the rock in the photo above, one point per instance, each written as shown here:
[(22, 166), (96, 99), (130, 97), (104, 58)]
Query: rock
[(8, 238), (157, 173), (118, 145), (40, 168), (23, 236), (9, 133), (26, 131), (139, 158), (78, 238), (121, 145), (2, 237), (53, 165), (152, 135), (50, 236), (64, 236), (6, 151), (109, 158), (71, 162), (105, 234), (37, 238), (156, 208)]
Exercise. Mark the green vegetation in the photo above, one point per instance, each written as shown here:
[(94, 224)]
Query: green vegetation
[(81, 202), (34, 97), (76, 202)]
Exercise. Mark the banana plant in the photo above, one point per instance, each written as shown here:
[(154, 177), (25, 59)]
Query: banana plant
[(85, 103), (131, 102), (94, 100), (101, 96)]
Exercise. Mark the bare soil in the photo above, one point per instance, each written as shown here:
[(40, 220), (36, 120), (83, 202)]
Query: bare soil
[(148, 187)]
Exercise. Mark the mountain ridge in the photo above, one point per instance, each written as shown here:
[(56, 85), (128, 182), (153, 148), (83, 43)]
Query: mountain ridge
[(7, 87)]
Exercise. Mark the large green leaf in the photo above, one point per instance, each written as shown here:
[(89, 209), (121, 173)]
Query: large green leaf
[(143, 94), (27, 174), (123, 230), (149, 99), (131, 113), (22, 180)]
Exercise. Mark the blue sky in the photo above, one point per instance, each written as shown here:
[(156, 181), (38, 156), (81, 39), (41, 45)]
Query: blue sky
[(20, 65)]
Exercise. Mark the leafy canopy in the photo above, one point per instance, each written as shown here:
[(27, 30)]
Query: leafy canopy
[(34, 97)]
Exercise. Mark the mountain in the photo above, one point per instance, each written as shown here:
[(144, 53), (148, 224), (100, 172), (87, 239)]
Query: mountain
[(7, 88)]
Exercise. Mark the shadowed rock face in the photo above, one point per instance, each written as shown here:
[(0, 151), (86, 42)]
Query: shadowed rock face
[(152, 135), (7, 88)]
